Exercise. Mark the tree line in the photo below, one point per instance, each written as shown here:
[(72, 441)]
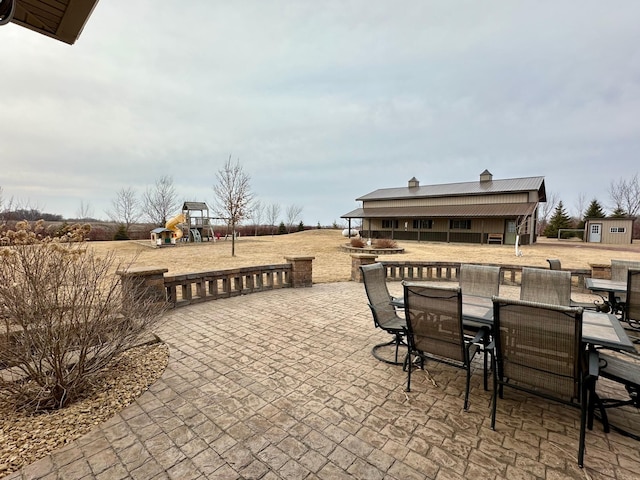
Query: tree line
[(624, 196)]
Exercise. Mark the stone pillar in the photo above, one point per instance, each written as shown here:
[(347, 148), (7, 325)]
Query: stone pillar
[(600, 270), (142, 284), (301, 270), (358, 259)]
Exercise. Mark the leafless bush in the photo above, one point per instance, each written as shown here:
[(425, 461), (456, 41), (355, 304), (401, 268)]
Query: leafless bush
[(385, 243), (357, 242), (61, 317)]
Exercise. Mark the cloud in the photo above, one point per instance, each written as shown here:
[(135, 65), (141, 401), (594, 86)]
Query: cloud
[(322, 103)]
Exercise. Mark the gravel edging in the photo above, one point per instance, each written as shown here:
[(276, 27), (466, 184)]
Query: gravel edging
[(26, 437)]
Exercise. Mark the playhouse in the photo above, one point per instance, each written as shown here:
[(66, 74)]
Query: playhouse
[(162, 236)]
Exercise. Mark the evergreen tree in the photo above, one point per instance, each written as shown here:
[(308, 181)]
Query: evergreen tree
[(618, 213), (282, 229), (301, 226), (560, 219), (121, 233), (594, 210)]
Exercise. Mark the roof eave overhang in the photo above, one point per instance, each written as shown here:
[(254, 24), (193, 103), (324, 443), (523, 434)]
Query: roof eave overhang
[(65, 26)]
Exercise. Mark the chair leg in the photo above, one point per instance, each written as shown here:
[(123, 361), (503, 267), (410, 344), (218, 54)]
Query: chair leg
[(409, 364), (466, 393), (494, 403), (583, 422)]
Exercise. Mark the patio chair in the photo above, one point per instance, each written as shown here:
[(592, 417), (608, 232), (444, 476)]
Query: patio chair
[(556, 265), (619, 269), (538, 350), (385, 315), (632, 304), (434, 330), (546, 286), (479, 281), (623, 368)]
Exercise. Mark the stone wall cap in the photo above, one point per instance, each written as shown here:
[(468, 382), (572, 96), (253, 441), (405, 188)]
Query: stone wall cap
[(363, 255), (142, 271), (298, 257)]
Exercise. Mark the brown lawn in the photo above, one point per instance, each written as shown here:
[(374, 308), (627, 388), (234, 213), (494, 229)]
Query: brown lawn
[(332, 264)]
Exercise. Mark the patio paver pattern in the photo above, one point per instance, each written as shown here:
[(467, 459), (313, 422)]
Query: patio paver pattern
[(282, 385)]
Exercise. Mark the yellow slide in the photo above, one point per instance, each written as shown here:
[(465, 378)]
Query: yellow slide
[(173, 223)]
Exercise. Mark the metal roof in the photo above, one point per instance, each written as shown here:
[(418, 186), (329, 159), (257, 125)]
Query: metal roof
[(446, 211), (508, 185), (59, 19), (195, 206)]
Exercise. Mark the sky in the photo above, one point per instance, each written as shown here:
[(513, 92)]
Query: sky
[(321, 102)]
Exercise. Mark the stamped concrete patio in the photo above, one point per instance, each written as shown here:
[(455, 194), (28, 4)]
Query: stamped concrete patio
[(282, 385)]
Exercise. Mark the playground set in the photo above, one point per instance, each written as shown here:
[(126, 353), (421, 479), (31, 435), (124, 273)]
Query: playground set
[(193, 224)]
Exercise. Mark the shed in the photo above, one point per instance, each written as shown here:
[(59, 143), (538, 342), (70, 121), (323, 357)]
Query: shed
[(610, 230), (163, 236)]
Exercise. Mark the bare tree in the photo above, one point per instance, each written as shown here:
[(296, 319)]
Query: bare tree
[(125, 208), (580, 205), (273, 214), (85, 211), (257, 213), (625, 195), (233, 196), (293, 216), (545, 210), (161, 201)]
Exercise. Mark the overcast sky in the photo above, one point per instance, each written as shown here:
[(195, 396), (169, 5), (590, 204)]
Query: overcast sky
[(321, 102)]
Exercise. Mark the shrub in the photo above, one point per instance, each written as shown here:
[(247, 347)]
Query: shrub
[(385, 243), (62, 319), (357, 242), (121, 233)]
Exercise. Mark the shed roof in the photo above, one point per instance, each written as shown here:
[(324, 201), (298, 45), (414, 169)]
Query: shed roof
[(499, 210), (509, 185), (59, 19)]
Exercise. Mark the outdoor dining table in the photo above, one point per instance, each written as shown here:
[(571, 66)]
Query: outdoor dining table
[(608, 286), (598, 329)]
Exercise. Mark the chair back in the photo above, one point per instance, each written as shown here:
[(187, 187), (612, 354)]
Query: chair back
[(632, 305), (619, 269), (434, 320), (375, 284), (554, 264), (479, 280), (538, 347), (546, 286)]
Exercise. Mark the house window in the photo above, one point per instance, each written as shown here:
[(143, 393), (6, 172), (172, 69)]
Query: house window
[(390, 224), (617, 229), (460, 224), (423, 224)]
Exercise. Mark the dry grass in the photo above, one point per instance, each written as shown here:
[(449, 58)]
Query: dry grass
[(332, 264)]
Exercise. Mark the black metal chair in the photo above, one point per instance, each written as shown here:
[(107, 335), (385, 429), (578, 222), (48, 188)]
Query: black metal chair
[(538, 350), (623, 368), (434, 330), (385, 315)]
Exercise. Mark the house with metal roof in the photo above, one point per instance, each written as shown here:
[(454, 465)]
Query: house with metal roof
[(484, 211)]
